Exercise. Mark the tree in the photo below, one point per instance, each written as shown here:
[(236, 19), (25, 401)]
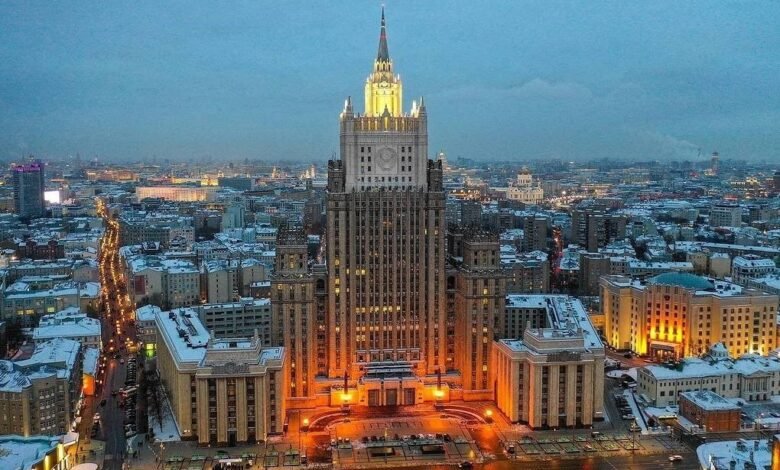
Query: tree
[(91, 311), (155, 397), (14, 336)]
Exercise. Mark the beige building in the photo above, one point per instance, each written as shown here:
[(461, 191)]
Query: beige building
[(38, 395), (386, 222), (222, 391), (295, 316), (236, 319), (745, 268), (480, 294), (168, 283), (726, 215), (554, 376), (224, 281), (751, 377), (524, 190), (679, 314), (177, 193)]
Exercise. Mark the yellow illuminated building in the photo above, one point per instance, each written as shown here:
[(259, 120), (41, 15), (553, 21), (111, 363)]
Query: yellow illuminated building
[(384, 91), (675, 315)]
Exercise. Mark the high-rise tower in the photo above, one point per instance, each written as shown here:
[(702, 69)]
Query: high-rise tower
[(28, 190), (385, 245)]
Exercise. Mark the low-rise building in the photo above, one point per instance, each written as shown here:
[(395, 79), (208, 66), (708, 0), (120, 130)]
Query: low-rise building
[(224, 281), (647, 268), (769, 283), (36, 452), (554, 376), (139, 227), (70, 323), (222, 391), (726, 215), (159, 280), (750, 377), (20, 301), (745, 268), (710, 411)]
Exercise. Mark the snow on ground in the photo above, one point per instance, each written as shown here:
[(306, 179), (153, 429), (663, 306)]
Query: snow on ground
[(619, 373), (167, 431), (665, 412), (640, 419), (741, 451)]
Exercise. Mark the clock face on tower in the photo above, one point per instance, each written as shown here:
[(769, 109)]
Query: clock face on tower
[(387, 158)]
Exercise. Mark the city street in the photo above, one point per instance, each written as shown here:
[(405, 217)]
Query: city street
[(116, 315)]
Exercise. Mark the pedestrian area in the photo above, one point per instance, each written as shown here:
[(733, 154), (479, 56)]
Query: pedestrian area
[(266, 457), (573, 445)]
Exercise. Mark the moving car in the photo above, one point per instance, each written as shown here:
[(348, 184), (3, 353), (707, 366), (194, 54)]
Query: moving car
[(675, 458)]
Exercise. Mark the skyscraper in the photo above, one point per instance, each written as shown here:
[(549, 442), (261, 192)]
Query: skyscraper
[(28, 190), (385, 241)]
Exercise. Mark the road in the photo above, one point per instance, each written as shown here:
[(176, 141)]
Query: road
[(112, 417), (618, 462), (119, 337)]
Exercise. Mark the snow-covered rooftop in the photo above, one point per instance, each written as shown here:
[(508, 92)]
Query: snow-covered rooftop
[(708, 400)]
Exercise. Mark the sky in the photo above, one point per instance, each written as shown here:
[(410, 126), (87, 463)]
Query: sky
[(502, 80)]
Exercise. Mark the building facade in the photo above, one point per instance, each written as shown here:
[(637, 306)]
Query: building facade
[(554, 376), (676, 315), (710, 411), (385, 232), (29, 185), (524, 190), (221, 391), (751, 378), (38, 395)]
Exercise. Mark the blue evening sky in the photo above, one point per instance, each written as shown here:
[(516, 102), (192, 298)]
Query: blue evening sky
[(502, 80)]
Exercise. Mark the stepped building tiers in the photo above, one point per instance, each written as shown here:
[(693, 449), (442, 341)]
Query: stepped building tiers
[(396, 315), (385, 235)]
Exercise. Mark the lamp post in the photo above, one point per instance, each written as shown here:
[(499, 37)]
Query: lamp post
[(305, 429)]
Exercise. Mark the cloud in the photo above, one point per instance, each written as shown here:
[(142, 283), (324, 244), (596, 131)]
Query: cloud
[(666, 146), (543, 89), (536, 88)]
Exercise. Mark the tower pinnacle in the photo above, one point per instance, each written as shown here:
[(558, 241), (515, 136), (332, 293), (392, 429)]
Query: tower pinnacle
[(383, 55)]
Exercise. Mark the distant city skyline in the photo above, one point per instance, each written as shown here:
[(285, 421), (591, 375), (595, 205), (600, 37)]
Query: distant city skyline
[(516, 80)]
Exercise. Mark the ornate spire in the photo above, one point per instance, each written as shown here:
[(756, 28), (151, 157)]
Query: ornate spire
[(383, 55)]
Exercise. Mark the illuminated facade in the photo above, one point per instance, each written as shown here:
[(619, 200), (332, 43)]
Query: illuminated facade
[(679, 314), (554, 376), (524, 190), (222, 391), (385, 234), (177, 193)]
